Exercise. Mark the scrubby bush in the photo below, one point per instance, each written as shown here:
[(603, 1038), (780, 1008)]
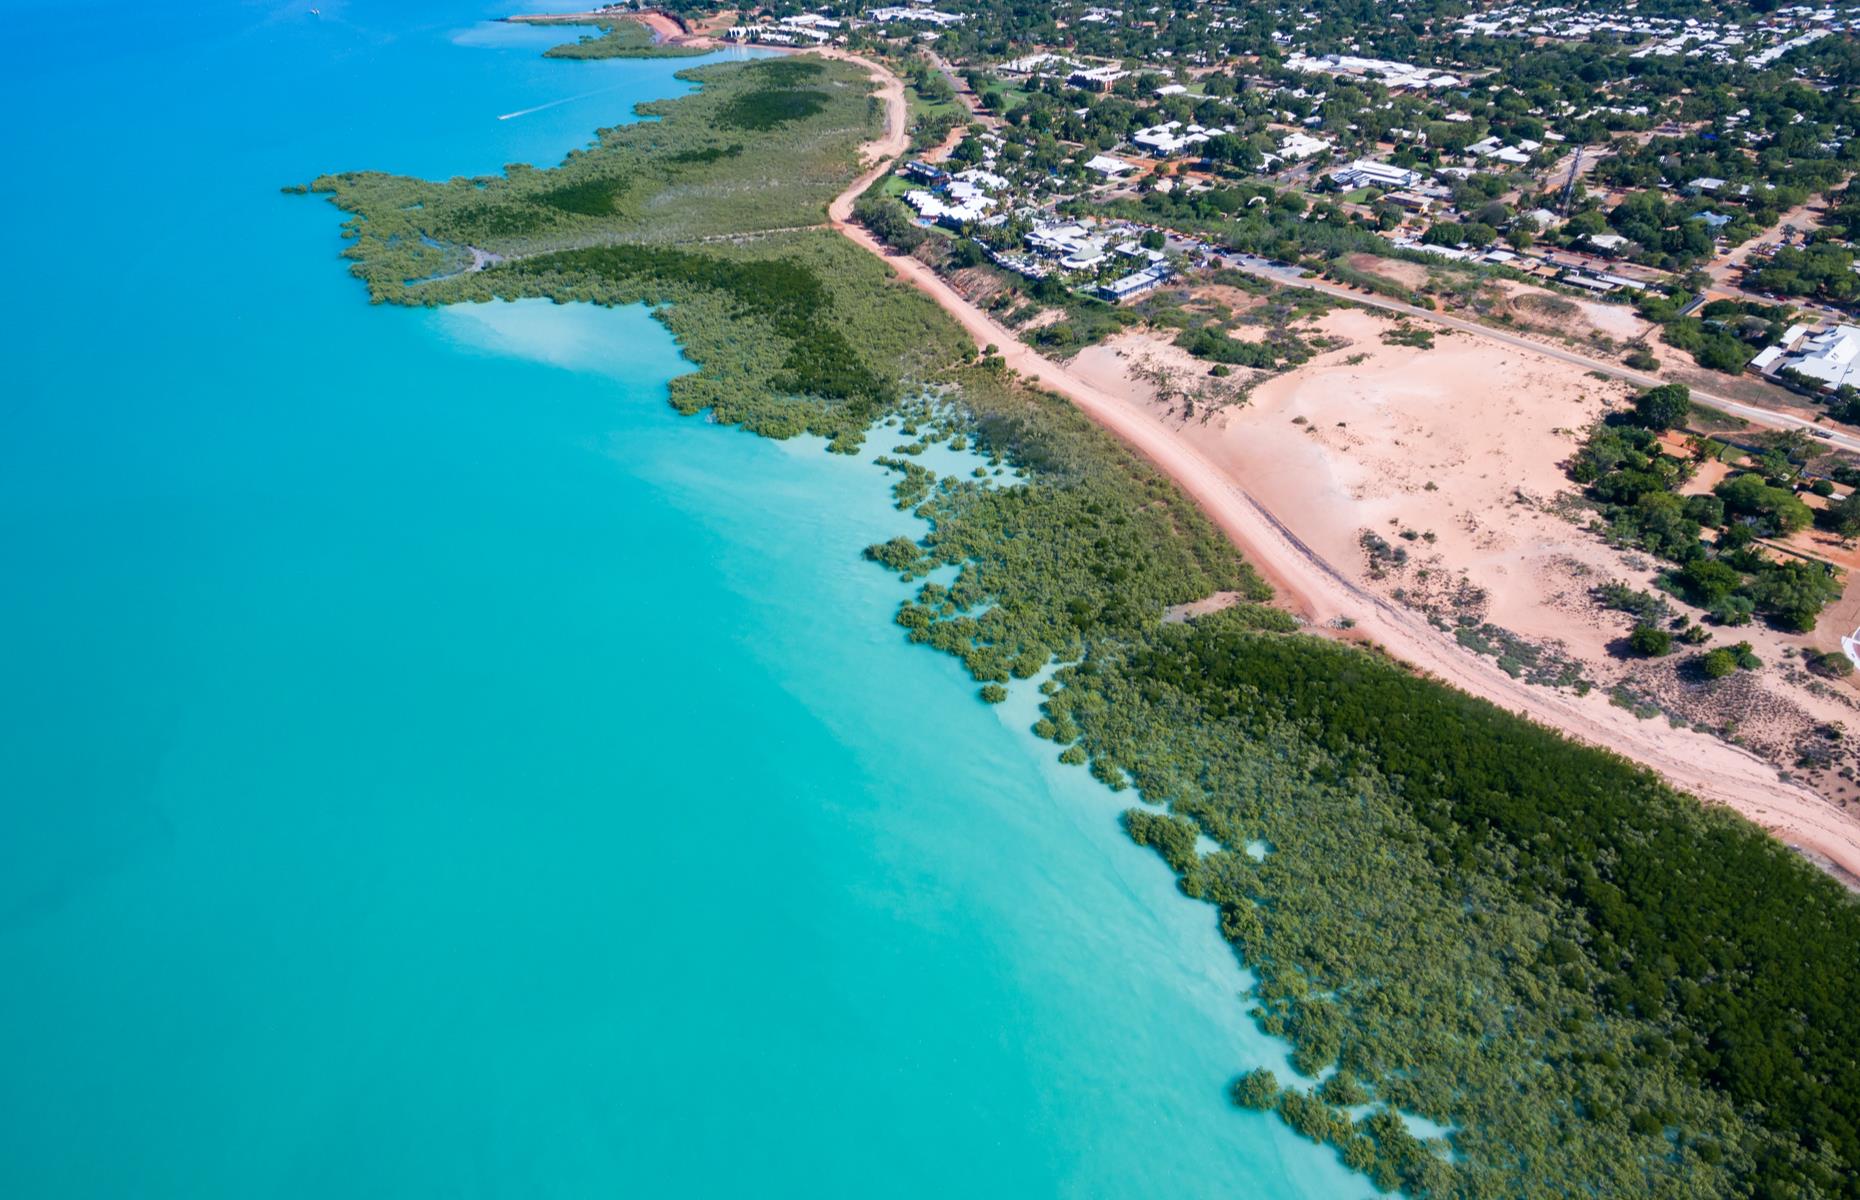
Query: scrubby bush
[(1833, 664), (1257, 1089), (1649, 641)]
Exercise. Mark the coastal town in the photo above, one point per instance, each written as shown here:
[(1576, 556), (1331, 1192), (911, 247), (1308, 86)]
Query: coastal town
[(1236, 599), (1322, 260)]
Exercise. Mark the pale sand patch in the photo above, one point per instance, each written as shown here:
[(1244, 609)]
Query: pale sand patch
[(1395, 270), (1117, 363), (1487, 426), (1618, 321)]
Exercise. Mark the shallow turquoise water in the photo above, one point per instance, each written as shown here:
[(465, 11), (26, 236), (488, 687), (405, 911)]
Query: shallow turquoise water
[(431, 767)]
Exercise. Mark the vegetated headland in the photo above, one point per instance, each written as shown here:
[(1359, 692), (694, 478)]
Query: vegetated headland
[(621, 33), (1595, 983)]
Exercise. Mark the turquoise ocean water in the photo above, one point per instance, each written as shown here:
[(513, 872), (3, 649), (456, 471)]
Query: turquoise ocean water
[(429, 767)]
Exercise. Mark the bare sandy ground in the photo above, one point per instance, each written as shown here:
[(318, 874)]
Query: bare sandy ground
[(1539, 307), (1397, 270), (1287, 506), (1126, 362)]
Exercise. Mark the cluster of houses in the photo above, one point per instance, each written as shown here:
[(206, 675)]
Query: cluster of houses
[(1393, 75), (1494, 148), (789, 31), (1755, 44), (1073, 246), (977, 197), (957, 199), (913, 15), (818, 29), (1173, 137)]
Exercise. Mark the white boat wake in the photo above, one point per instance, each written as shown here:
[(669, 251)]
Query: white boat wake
[(524, 112)]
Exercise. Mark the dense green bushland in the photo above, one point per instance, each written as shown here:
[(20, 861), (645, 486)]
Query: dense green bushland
[(1599, 986), (770, 108), (679, 177), (1634, 485), (783, 299)]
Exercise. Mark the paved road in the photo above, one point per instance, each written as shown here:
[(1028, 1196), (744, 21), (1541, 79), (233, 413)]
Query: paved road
[(1769, 418)]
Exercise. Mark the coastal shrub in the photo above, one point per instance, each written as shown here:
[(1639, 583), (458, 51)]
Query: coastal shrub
[(1641, 952), (1257, 1089), (1843, 516), (1663, 407), (1215, 346), (784, 72), (1172, 837), (1792, 594), (785, 295), (1832, 664), (1649, 641), (1776, 510), (1417, 336), (1633, 483), (1343, 1090)]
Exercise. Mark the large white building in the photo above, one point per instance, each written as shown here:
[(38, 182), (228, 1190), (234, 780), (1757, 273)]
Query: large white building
[(920, 16), (961, 201), (1107, 166), (1173, 137), (1076, 247), (1392, 74), (1830, 357), (1294, 146), (1367, 173)]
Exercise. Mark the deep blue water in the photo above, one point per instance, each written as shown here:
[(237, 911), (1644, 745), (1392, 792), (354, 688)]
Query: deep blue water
[(429, 767)]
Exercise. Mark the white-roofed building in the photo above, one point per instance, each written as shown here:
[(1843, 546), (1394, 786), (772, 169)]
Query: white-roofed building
[(1072, 244), (920, 16), (1173, 137), (1829, 358), (1297, 145), (1367, 173), (958, 204)]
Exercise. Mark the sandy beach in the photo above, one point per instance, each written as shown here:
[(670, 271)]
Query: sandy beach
[(665, 30)]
